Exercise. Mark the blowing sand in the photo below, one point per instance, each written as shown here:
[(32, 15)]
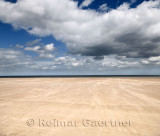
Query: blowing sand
[(80, 106)]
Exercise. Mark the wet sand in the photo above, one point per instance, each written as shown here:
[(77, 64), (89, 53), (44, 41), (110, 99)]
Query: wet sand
[(80, 106)]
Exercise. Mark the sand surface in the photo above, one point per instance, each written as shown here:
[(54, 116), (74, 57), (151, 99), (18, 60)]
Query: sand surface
[(80, 106)]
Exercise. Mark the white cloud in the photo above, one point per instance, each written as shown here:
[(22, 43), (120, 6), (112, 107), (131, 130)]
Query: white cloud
[(16, 60), (9, 54), (86, 3), (145, 62), (46, 56), (35, 49), (69, 61), (114, 62), (45, 68), (75, 64), (45, 48), (49, 47), (45, 52), (133, 33), (13, 60), (154, 58)]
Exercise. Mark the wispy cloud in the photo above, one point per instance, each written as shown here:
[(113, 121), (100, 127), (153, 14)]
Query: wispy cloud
[(103, 7), (133, 1), (30, 43), (86, 3), (19, 46)]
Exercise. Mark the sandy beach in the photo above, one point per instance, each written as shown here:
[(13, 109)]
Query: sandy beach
[(118, 106)]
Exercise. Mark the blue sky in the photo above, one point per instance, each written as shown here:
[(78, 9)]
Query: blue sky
[(120, 37)]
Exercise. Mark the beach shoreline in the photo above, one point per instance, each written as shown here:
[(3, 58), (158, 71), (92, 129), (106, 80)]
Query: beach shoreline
[(25, 101)]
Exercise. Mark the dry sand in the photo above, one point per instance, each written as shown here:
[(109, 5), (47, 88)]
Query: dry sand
[(87, 106)]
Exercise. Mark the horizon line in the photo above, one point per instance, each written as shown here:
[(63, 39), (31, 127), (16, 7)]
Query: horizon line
[(22, 76)]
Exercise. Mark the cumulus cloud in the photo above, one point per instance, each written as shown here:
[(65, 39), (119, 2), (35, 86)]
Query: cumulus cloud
[(9, 54), (16, 61), (154, 59), (125, 31), (111, 62), (13, 60), (44, 52), (70, 61), (49, 47), (45, 48)]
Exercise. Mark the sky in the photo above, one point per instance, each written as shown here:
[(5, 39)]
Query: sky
[(79, 37)]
